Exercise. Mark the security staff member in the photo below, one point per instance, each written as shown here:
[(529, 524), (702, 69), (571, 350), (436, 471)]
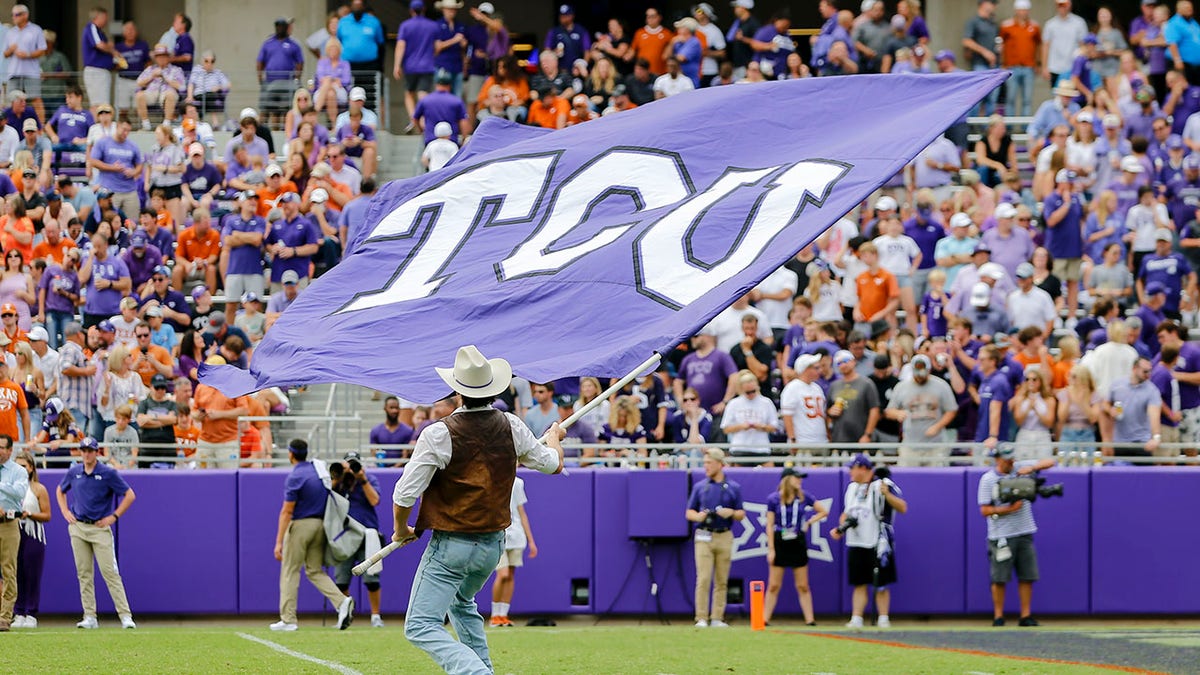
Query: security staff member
[(1010, 529), (14, 483), (90, 515), (715, 503), (300, 541), (362, 490)]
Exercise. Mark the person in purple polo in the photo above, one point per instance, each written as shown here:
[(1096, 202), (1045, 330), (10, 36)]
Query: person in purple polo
[(68, 127), (118, 162), (995, 389), (772, 44), (450, 44), (107, 280), (98, 53), (414, 56), (1010, 245), (391, 432), (293, 241), (1063, 211), (1187, 373), (280, 61), (926, 231), (135, 55), (442, 106), (1169, 269), (142, 257), (710, 372)]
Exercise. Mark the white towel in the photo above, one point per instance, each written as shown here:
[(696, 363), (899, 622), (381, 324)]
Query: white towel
[(371, 543)]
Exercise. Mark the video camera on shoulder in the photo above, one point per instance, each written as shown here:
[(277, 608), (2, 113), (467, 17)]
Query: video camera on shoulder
[(1010, 490)]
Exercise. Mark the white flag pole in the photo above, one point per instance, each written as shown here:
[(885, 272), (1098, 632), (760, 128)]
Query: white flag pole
[(651, 362)]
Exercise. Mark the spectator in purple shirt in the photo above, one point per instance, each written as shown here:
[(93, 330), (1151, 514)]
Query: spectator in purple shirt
[(142, 258), (359, 142), (710, 372), (391, 432), (686, 49), (280, 61), (1063, 211), (450, 45), (1169, 270), (136, 54), (58, 290), (293, 241), (568, 40), (1010, 245), (242, 235), (333, 79), (107, 280), (68, 128), (414, 56), (772, 44), (118, 162), (98, 54), (442, 106), (179, 39)]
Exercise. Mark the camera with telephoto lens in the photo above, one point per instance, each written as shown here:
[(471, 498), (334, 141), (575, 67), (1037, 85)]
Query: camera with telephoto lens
[(355, 465), (849, 524), (1010, 490)]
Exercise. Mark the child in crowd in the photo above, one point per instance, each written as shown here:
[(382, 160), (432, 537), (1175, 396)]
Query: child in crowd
[(440, 150), (824, 292), (933, 305), (251, 319), (121, 439), (900, 255)]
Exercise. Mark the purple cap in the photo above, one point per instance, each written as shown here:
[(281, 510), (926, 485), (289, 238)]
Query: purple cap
[(416, 5), (139, 239), (1155, 287), (982, 248), (53, 408), (163, 270), (1174, 142), (89, 443), (861, 460), (199, 291), (943, 55), (106, 326), (1089, 39), (564, 10), (1191, 162), (289, 198)]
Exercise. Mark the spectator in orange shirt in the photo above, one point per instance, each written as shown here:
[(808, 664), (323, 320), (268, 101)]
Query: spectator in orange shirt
[(619, 101), (580, 112), (9, 319), (53, 246), (197, 252), (276, 185), (217, 445), (337, 194), (651, 41), (16, 228), (1022, 44), (878, 293), (549, 111), (187, 432), (150, 359), (14, 410)]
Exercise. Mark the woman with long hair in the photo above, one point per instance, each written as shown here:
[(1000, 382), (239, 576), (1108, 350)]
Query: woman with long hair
[(1081, 151), (1034, 412), (913, 21), (31, 553), (824, 291), (165, 163), (17, 289), (58, 429), (297, 170), (507, 75), (624, 429), (1078, 412), (17, 229), (32, 381), (1043, 276), (589, 388), (995, 152), (302, 101), (790, 512), (1103, 226), (1110, 44), (601, 83), (191, 355), (121, 385), (306, 143)]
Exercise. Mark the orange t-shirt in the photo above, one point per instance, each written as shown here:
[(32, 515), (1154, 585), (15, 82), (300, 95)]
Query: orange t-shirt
[(545, 114), (267, 197), (251, 441), (192, 246), (56, 252), (650, 46), (1061, 373), (210, 399), (517, 90), (573, 117), (10, 242), (164, 220), (1021, 43), (186, 437), (875, 290), (146, 370), (12, 399)]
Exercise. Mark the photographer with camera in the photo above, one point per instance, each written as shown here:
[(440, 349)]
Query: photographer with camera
[(715, 503), (869, 505), (352, 481), (1010, 529)]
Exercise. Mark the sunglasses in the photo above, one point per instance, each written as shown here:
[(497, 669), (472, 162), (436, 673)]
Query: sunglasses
[(14, 255), (142, 335), (2, 316), (158, 278), (688, 398)]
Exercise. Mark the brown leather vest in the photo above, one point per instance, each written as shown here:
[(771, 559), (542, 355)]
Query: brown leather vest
[(472, 493)]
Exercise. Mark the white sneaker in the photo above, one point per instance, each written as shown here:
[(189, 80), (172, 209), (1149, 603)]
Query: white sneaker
[(145, 125), (701, 624), (717, 623), (30, 622), (884, 622), (284, 626), (127, 622), (18, 622), (89, 622), (855, 623), (376, 621), (345, 613)]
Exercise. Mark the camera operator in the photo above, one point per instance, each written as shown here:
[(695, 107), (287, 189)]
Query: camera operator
[(1010, 529), (714, 504), (870, 560), (352, 481)]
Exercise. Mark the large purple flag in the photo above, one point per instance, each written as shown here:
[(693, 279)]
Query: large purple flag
[(584, 251)]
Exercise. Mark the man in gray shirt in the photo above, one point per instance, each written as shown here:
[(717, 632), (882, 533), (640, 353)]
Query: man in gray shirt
[(871, 38), (1134, 407), (924, 406), (854, 410), (979, 42)]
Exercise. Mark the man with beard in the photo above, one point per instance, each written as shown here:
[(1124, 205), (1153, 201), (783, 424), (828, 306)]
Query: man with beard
[(390, 432)]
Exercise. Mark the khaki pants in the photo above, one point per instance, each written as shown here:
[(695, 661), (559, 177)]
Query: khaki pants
[(89, 542), (304, 546), (218, 455), (712, 567), (10, 543)]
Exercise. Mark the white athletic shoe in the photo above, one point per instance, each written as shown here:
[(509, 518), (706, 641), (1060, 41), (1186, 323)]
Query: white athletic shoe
[(89, 622), (18, 622), (717, 623), (30, 622), (345, 613), (376, 621), (855, 623), (701, 624), (284, 626), (127, 622), (884, 622)]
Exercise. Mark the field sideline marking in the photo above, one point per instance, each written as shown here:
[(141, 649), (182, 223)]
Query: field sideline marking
[(332, 665), (976, 652)]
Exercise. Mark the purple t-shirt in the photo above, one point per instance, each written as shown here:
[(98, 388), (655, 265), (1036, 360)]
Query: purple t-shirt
[(125, 155), (678, 427), (708, 375), (403, 435), (137, 55), (1188, 103), (1010, 251), (927, 237), (1188, 362), (1064, 240), (477, 43), (243, 259), (185, 45), (71, 124), (778, 58), (341, 71), (418, 34), (364, 133), (174, 301), (142, 268), (449, 59), (995, 387), (794, 338), (279, 58), (440, 106), (107, 301), (293, 233), (1170, 271), (201, 180), (1164, 382), (164, 241), (935, 316), (56, 277), (790, 517), (92, 57)]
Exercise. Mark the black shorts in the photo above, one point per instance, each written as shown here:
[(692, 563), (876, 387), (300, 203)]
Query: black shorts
[(861, 568), (791, 553), (169, 191), (418, 82), (1022, 559)]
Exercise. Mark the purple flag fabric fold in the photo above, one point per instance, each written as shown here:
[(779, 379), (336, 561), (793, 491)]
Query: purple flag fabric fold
[(583, 251)]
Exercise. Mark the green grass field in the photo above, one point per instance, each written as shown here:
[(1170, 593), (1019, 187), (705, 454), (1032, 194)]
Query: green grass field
[(211, 647)]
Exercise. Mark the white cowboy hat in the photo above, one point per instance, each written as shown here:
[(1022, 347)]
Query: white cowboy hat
[(476, 376)]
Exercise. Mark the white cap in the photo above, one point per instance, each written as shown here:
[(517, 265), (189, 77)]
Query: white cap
[(1065, 176), (443, 130), (487, 8), (358, 94), (1005, 210), (991, 270), (38, 334), (806, 361), (1131, 164), (748, 4), (1085, 117), (1161, 234), (272, 170), (29, 125), (319, 196), (195, 149), (1112, 121), (1021, 4), (886, 203), (248, 112), (960, 219), (981, 295)]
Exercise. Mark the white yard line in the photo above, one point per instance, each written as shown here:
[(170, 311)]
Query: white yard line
[(332, 665)]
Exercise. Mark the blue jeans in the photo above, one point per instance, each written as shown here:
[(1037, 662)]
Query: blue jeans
[(988, 105), (1070, 435), (56, 321), (453, 569), (1021, 81)]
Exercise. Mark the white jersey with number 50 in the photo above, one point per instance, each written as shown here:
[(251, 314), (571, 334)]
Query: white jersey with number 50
[(805, 404)]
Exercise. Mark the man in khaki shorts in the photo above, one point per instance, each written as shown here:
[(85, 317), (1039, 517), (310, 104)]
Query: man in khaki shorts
[(515, 537), (217, 415)]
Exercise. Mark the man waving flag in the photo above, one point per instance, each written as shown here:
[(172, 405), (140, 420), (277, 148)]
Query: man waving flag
[(584, 251)]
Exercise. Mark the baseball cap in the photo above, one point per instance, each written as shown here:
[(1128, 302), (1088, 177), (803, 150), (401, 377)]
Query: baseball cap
[(1003, 451), (163, 270), (154, 311), (861, 460), (487, 8), (1085, 117), (129, 303), (159, 381), (716, 454), (289, 278), (620, 90), (886, 203), (416, 5), (443, 76), (807, 361), (195, 149), (105, 326), (289, 198), (580, 99), (1089, 39), (1191, 162), (564, 401), (444, 130), (706, 9), (898, 22), (1066, 176), (8, 308), (161, 50), (1001, 340), (1163, 234), (29, 172), (689, 23), (1024, 270), (981, 247), (38, 334), (283, 20), (564, 10), (53, 197), (981, 295), (842, 356), (199, 291), (992, 271), (138, 240), (792, 471), (1175, 142), (215, 321), (944, 55), (319, 196), (1155, 287), (358, 94), (272, 170), (188, 124), (920, 362), (1021, 4), (29, 125), (960, 219), (248, 113), (1111, 121), (247, 195), (249, 296), (53, 408), (321, 170), (1005, 210), (89, 444), (1131, 164)]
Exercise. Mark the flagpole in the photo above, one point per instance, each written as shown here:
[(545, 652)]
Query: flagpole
[(592, 404)]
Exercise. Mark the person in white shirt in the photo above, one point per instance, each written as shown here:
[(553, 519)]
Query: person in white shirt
[(45, 359), (773, 297), (900, 255), (749, 419), (1142, 223), (802, 404), (9, 140), (728, 324), (1111, 362), (1030, 305), (1061, 36), (440, 150), (516, 538), (673, 82)]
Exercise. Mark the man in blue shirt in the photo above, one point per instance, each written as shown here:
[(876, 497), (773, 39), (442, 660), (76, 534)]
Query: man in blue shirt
[(362, 490), (90, 515), (300, 541), (994, 391), (14, 482), (450, 45), (280, 61), (442, 106), (568, 39), (361, 35), (1183, 41), (1170, 270), (414, 56), (715, 503), (1064, 212), (293, 241)]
